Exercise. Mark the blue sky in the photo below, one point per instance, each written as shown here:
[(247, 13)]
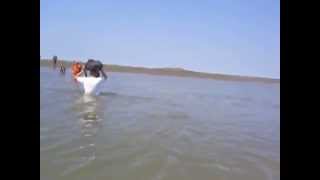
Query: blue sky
[(227, 36)]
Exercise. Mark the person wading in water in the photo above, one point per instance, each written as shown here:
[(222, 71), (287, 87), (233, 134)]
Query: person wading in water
[(55, 59), (76, 69), (89, 83), (62, 68), (94, 67)]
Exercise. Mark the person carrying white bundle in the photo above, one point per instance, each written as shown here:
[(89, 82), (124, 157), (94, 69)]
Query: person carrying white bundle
[(91, 83)]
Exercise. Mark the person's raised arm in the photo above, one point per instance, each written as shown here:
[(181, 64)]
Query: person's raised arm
[(104, 74), (85, 71)]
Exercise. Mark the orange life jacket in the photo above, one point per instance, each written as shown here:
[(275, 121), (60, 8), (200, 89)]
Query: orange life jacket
[(76, 68)]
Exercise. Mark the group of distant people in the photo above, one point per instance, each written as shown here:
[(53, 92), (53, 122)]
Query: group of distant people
[(89, 74), (94, 67), (62, 67)]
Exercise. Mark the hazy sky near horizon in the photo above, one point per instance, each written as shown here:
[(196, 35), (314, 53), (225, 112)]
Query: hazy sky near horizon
[(227, 36)]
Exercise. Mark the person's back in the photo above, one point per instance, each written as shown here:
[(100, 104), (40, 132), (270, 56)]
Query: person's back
[(90, 84)]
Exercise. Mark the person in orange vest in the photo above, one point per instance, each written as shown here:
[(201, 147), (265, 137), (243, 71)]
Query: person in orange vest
[(76, 69)]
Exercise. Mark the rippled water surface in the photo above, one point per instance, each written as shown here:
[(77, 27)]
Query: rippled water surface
[(144, 127)]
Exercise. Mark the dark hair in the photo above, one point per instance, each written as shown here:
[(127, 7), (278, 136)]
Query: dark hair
[(95, 73)]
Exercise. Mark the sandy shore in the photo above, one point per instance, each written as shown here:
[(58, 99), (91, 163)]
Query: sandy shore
[(169, 72)]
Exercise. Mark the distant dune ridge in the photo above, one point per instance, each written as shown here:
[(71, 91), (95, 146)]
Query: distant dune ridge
[(180, 72)]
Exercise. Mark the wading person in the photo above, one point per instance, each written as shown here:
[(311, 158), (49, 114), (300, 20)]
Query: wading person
[(91, 82), (76, 69), (62, 69), (55, 59)]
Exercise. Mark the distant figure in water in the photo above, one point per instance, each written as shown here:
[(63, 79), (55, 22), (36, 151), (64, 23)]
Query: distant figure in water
[(62, 69), (55, 59)]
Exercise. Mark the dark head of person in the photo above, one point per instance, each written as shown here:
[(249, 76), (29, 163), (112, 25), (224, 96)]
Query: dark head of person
[(95, 74), (94, 67)]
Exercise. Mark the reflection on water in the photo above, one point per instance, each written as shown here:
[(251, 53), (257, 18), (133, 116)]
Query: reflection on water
[(150, 127), (89, 120)]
